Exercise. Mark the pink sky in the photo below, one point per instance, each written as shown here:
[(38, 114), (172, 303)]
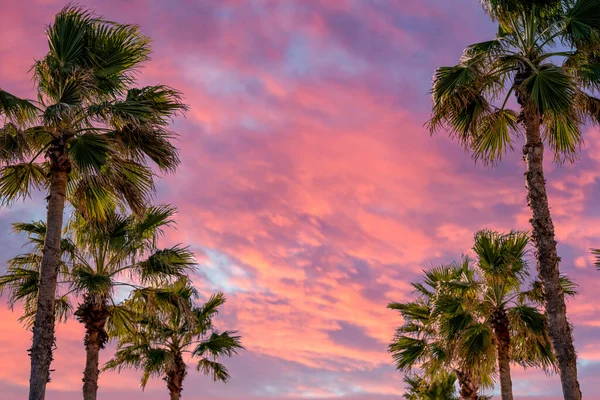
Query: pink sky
[(310, 190)]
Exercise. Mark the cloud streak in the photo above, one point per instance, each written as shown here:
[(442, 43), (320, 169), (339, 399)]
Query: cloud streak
[(310, 190)]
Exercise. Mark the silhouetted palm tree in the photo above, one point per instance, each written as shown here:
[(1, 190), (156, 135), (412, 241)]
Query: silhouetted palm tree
[(86, 141), (120, 251), (164, 334)]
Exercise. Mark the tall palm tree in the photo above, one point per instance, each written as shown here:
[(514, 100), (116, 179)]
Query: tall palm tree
[(119, 252), (421, 343), (161, 339), (86, 141), (554, 89)]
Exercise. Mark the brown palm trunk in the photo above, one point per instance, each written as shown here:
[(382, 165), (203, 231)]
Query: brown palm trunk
[(469, 386), (43, 327), (501, 326), (547, 257), (93, 313), (175, 377)]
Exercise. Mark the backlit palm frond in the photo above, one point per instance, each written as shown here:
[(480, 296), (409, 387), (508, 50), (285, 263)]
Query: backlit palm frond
[(216, 370), (564, 135), (148, 141), (493, 137), (208, 311), (89, 152), (582, 22), (218, 345), (165, 264), (17, 110), (88, 280), (114, 52), (551, 90), (17, 181)]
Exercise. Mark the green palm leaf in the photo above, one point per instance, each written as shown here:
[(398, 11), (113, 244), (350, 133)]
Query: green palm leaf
[(17, 181), (550, 90)]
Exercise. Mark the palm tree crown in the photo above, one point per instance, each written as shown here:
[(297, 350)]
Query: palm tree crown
[(471, 99), (88, 119), (173, 328)]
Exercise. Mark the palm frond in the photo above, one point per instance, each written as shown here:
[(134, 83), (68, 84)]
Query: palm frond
[(551, 90), (219, 345), (492, 137), (582, 21), (17, 181), (166, 264), (17, 110), (89, 152), (214, 369)]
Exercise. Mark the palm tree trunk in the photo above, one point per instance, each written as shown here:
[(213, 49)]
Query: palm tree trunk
[(174, 384), (469, 387), (176, 376), (501, 325), (93, 313), (43, 327), (91, 371), (547, 257)]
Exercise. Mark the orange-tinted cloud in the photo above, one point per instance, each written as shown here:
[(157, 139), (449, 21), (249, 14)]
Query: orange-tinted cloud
[(310, 189)]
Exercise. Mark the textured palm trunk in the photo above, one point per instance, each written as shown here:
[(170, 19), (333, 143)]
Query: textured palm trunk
[(93, 313), (175, 377), (501, 326), (43, 327), (547, 257), (469, 386)]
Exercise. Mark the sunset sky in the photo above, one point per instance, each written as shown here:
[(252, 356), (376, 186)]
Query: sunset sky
[(309, 189)]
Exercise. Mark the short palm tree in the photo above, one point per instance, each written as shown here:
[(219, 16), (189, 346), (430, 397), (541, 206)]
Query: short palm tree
[(161, 338), (554, 88), (119, 252), (517, 328), (420, 343), (86, 141), (419, 387), (467, 321)]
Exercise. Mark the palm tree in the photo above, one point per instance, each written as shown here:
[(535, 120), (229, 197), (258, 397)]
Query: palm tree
[(554, 89), (86, 140), (466, 320), (419, 387), (518, 328), (103, 257), (160, 339), (421, 343)]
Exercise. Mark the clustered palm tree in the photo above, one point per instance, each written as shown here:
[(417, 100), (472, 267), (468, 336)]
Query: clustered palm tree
[(88, 142), (85, 141), (473, 321), (100, 258), (160, 340), (545, 54)]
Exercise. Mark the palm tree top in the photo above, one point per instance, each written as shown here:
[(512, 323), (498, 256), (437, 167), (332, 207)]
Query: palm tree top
[(89, 120), (547, 58)]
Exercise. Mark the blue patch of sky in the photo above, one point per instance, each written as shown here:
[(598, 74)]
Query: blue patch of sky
[(306, 58), (219, 269)]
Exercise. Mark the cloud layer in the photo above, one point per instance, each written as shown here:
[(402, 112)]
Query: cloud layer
[(310, 190)]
